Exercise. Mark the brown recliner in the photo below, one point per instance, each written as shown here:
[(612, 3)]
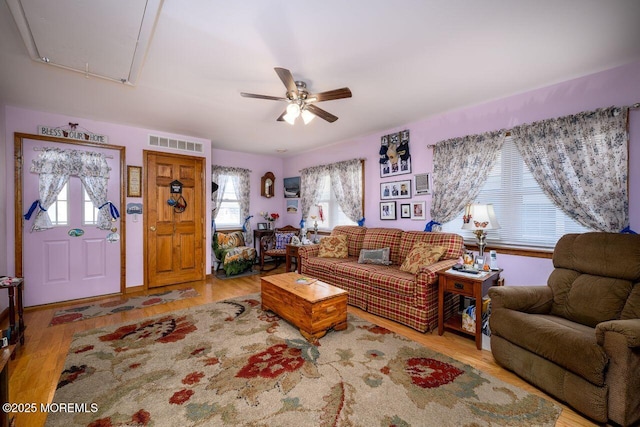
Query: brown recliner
[(578, 338)]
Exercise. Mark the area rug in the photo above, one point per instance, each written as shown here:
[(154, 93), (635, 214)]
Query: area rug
[(76, 314), (220, 274), (230, 364)]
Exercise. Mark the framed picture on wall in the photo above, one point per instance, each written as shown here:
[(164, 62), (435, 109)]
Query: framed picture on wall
[(395, 190), (387, 210), (405, 210), (292, 187), (395, 158), (418, 210), (134, 181)]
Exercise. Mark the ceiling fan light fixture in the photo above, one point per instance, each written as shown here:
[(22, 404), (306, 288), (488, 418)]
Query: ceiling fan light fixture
[(307, 116), (289, 118), (293, 110)]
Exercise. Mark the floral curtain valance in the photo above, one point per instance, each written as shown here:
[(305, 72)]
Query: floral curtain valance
[(581, 163), (55, 166)]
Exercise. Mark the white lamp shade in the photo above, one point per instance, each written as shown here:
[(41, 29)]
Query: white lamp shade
[(307, 116), (291, 119), (293, 110), (314, 212), (480, 217)]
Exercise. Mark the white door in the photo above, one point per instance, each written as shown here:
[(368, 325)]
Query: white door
[(74, 259)]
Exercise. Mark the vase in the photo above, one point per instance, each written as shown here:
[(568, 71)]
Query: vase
[(269, 225)]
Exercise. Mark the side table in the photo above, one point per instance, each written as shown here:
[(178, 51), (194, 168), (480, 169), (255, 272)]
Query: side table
[(468, 285), (292, 252), (13, 284)]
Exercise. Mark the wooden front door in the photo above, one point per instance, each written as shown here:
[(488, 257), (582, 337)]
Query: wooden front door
[(174, 240)]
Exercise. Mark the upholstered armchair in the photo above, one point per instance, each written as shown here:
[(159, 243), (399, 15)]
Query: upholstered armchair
[(578, 338), (275, 245), (230, 251)]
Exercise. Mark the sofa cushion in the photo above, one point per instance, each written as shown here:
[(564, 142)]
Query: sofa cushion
[(334, 246), (587, 299), (357, 272), (394, 280), (355, 236), (374, 256), (568, 344), (377, 238), (324, 268), (631, 309), (453, 243), (422, 254)]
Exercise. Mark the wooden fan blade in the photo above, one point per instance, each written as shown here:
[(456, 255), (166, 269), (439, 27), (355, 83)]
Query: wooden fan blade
[(253, 95), (287, 78), (281, 118), (321, 113), (332, 94)]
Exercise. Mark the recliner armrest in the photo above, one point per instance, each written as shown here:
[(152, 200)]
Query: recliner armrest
[(528, 299), (629, 329)]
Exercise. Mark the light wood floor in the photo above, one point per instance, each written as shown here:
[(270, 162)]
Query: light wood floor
[(35, 371)]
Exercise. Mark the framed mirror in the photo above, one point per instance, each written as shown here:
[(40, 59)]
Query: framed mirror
[(267, 185)]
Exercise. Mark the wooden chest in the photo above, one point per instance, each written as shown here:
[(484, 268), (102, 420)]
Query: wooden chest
[(309, 304)]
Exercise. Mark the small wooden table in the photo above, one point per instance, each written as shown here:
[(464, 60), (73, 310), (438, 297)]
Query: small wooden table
[(469, 286), (309, 304), (292, 252), (15, 287)]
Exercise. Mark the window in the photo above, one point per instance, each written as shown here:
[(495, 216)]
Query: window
[(59, 210), (526, 215), (89, 212), (333, 214), (229, 207)]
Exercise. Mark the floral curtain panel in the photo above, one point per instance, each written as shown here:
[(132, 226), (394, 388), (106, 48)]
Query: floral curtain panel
[(54, 167), (581, 163), (460, 168), (346, 182), (311, 187)]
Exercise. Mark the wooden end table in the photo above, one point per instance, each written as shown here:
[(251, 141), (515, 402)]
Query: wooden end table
[(312, 306), (466, 285), (292, 252), (15, 287)]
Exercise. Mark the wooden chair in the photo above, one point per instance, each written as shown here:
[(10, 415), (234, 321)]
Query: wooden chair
[(274, 246)]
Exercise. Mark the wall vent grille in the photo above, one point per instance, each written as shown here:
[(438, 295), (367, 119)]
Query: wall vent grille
[(175, 144)]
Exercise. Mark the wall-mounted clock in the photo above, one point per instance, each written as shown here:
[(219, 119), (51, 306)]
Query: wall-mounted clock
[(267, 185)]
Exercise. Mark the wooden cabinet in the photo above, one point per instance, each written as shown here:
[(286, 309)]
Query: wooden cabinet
[(468, 286)]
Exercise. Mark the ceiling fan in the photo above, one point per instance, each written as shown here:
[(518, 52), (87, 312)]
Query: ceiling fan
[(301, 102)]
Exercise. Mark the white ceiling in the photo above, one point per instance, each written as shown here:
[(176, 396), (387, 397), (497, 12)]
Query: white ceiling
[(403, 61)]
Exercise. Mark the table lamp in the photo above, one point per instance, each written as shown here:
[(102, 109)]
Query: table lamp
[(479, 218)]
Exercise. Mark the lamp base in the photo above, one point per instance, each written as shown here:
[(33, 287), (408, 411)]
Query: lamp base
[(481, 237)]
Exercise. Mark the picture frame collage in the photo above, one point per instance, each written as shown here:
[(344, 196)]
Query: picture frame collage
[(395, 160)]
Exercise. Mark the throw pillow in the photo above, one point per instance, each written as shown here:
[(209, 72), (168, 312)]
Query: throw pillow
[(421, 254), (333, 247), (283, 239), (375, 256)]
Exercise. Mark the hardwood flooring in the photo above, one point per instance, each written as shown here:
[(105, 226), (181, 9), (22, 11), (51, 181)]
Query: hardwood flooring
[(35, 371)]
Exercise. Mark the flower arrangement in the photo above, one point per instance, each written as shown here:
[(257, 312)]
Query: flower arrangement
[(271, 217)]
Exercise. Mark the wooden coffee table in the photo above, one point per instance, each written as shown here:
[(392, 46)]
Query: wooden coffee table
[(311, 305)]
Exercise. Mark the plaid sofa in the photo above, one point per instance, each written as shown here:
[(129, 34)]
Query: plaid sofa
[(385, 290)]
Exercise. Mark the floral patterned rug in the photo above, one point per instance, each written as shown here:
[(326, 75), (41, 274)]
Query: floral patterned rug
[(230, 363), (76, 314)]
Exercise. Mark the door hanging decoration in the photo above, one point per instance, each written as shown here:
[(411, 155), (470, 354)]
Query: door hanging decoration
[(55, 167), (176, 200)]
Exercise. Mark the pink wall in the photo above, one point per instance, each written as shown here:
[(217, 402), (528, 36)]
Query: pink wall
[(134, 139), (619, 86)]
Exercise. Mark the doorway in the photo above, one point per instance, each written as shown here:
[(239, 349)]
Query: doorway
[(74, 259), (174, 218)]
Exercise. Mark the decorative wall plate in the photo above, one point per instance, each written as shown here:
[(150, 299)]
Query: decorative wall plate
[(76, 232)]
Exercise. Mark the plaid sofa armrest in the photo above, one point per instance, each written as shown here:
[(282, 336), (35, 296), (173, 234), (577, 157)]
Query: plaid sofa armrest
[(428, 274), (308, 251)]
